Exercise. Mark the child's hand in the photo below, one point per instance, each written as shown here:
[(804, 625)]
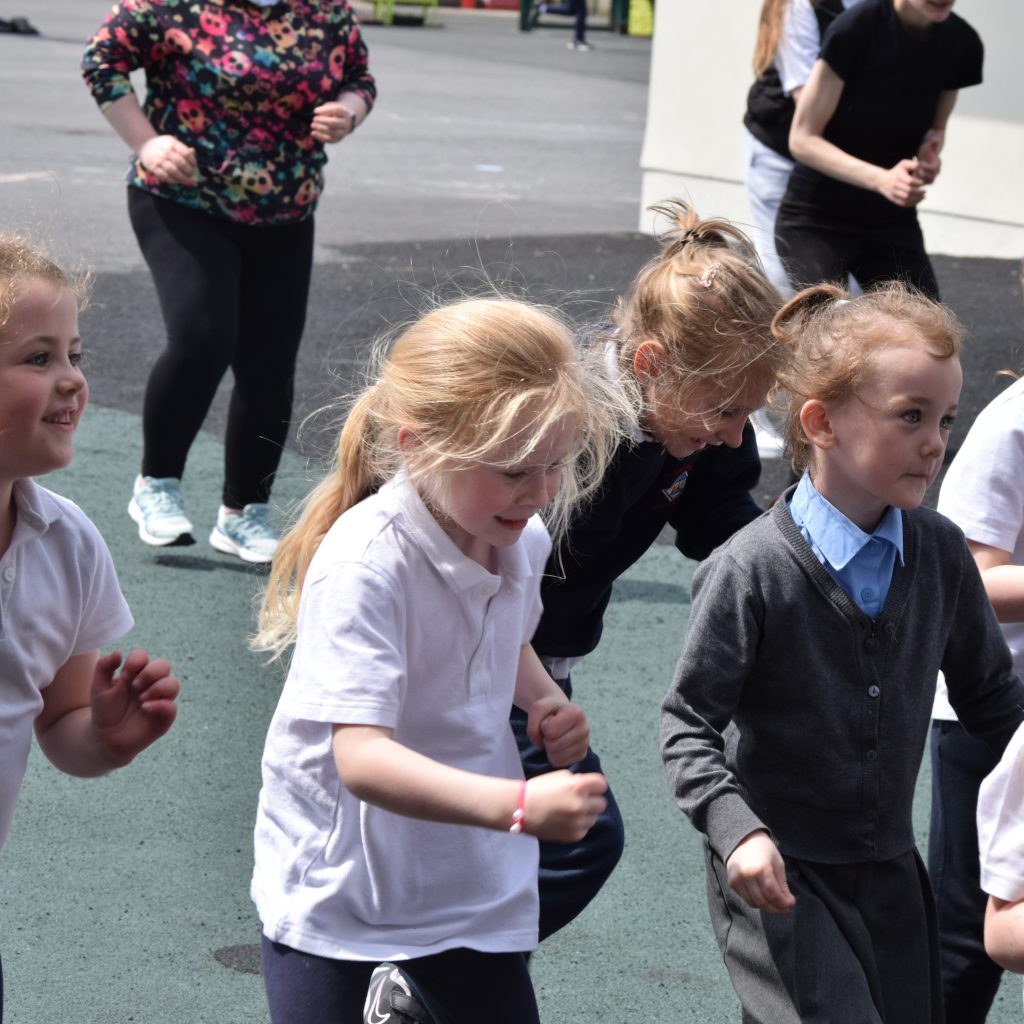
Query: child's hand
[(758, 874), (561, 806), (560, 729), (135, 707)]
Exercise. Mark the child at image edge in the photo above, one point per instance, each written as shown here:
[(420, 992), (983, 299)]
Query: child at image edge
[(991, 455), (394, 823), (794, 729), (59, 597)]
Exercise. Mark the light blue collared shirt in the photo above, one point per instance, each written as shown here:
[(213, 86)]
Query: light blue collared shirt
[(861, 563)]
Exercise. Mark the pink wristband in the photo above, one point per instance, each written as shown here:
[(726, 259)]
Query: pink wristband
[(519, 814)]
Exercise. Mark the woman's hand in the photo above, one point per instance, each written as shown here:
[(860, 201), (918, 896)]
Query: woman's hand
[(332, 122), (901, 184), (169, 161)]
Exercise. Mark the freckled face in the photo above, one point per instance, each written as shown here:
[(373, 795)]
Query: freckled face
[(887, 442), (42, 389)]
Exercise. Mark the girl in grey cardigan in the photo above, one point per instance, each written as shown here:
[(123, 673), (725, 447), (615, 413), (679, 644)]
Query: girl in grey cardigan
[(795, 726)]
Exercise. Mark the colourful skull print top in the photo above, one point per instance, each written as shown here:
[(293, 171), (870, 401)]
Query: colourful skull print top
[(238, 83)]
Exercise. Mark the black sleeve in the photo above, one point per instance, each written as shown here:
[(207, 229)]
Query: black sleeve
[(847, 42), (966, 56), (717, 501)]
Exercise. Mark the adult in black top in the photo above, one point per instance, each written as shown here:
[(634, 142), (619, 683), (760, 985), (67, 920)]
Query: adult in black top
[(867, 133)]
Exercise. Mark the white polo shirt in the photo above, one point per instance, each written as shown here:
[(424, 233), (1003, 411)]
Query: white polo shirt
[(983, 493), (1001, 824), (59, 597), (398, 628)]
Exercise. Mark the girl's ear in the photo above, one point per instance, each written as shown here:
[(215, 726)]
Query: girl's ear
[(649, 360), (407, 439), (817, 424)]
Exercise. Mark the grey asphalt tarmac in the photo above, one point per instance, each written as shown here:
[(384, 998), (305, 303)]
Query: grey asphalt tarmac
[(494, 157)]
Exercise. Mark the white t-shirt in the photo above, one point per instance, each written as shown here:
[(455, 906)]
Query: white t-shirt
[(983, 493), (1001, 824), (799, 44), (398, 628), (59, 597)]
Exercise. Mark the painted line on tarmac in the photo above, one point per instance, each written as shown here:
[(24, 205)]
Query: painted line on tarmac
[(10, 179)]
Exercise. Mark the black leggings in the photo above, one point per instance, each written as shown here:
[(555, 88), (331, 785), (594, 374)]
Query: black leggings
[(231, 295), (812, 255), (459, 986)]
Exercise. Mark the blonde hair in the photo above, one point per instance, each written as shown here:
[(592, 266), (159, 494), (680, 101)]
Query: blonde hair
[(834, 339), (462, 379), (22, 262), (769, 33), (706, 300)]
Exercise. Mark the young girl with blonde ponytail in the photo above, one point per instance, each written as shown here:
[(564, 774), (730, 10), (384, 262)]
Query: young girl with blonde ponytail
[(394, 823), (692, 348)]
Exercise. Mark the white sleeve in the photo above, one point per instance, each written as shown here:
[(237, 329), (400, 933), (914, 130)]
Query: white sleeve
[(799, 44), (983, 490), (1001, 824)]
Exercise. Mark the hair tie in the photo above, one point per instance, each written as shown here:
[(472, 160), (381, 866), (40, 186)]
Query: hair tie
[(707, 279)]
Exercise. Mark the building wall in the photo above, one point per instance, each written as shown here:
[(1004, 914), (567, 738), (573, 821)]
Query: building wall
[(693, 145)]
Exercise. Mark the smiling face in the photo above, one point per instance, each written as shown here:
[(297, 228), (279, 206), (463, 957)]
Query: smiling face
[(884, 446), (42, 389), (488, 504), (718, 416)]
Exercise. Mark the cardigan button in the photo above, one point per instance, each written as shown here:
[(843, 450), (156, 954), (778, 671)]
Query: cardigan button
[(873, 691), (871, 755)]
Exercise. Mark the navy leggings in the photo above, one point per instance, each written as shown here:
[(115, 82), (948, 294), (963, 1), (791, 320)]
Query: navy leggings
[(459, 986), (970, 979), (571, 874), (232, 296), (576, 9)]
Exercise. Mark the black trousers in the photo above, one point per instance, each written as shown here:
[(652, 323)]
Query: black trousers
[(970, 979), (812, 255), (459, 986), (232, 296)]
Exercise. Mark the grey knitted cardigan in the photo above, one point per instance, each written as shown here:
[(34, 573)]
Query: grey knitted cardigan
[(794, 711)]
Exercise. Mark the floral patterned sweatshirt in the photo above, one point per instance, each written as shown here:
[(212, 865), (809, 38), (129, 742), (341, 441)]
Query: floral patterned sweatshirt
[(238, 83)]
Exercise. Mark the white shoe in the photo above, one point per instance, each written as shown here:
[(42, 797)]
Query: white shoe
[(248, 534), (158, 508)]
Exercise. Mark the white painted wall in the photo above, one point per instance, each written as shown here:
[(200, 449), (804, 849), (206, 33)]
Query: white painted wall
[(693, 146)]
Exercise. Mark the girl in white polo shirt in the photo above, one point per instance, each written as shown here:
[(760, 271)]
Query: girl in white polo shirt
[(394, 823), (59, 597)]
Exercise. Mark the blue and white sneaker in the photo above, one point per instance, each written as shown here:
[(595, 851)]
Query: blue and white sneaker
[(390, 999), (248, 534), (158, 508)]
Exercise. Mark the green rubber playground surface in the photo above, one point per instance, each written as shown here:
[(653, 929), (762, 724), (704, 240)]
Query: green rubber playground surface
[(126, 899)]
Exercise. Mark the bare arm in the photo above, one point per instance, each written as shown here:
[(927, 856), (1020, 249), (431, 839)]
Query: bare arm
[(1004, 933), (815, 107), (1004, 583), (96, 719), (378, 770), (168, 159)]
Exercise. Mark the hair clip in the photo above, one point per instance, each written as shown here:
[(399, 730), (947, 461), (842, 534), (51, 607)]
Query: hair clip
[(841, 302), (707, 279)]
